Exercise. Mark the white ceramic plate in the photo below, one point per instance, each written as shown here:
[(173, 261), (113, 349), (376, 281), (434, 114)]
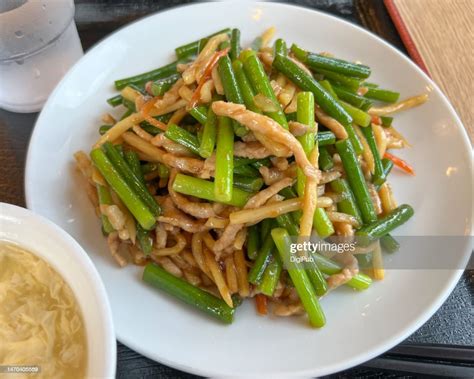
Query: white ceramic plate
[(49, 242), (360, 325)]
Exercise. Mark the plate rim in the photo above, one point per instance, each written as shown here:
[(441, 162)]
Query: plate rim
[(355, 360)]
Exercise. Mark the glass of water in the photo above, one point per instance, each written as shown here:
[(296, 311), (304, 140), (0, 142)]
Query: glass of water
[(38, 44)]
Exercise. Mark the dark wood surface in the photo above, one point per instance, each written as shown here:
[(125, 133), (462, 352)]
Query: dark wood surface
[(451, 325)]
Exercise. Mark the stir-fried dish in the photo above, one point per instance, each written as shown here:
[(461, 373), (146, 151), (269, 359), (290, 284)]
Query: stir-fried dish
[(228, 157)]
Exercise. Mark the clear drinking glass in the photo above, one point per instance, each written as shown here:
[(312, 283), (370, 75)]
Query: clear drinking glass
[(38, 44)]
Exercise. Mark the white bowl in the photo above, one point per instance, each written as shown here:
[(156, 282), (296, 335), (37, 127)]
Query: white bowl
[(63, 253)]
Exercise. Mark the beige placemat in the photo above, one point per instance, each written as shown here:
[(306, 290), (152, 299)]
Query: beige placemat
[(439, 36)]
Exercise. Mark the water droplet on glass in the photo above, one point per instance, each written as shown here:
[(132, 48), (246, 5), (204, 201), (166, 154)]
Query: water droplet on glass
[(20, 62), (50, 22), (41, 40), (37, 73), (19, 34), (43, 6)]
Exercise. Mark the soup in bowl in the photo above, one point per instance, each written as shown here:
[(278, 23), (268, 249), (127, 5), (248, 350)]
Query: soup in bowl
[(55, 319)]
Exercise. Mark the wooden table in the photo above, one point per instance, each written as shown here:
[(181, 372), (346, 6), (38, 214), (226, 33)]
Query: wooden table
[(451, 325)]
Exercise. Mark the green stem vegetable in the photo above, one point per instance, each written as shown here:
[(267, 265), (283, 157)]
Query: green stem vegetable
[(386, 224), (159, 73), (328, 267), (387, 165), (134, 163), (231, 90), (209, 133), (379, 175), (115, 101), (389, 244), (234, 44), (358, 116), (129, 176), (183, 137), (161, 86), (382, 95), (245, 87), (352, 98), (131, 200), (347, 204), (246, 170), (261, 262), (300, 279), (326, 138), (356, 180), (223, 178), (303, 80), (203, 189), (316, 61), (260, 82), (325, 159), (103, 194), (179, 288), (144, 239), (280, 47), (386, 121), (248, 184), (305, 115), (199, 113), (271, 276), (253, 242), (322, 223), (193, 48)]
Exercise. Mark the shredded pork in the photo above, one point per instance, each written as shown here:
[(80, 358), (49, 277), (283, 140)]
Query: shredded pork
[(267, 129)]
